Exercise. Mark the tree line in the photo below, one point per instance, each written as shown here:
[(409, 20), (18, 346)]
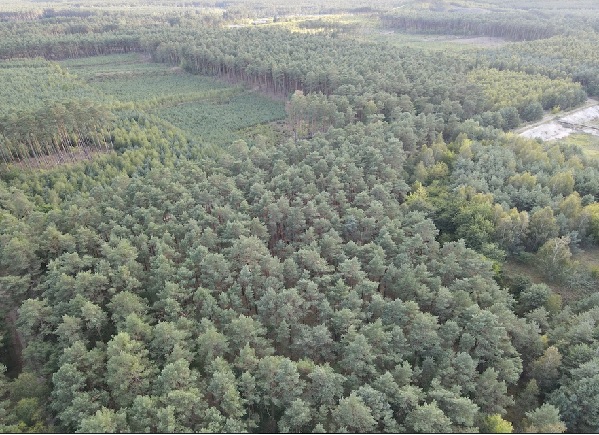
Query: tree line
[(514, 26)]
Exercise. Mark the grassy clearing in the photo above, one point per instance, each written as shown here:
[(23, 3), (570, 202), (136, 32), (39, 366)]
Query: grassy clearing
[(113, 68), (89, 65), (368, 28), (428, 42), (159, 86), (588, 143), (588, 258), (513, 268)]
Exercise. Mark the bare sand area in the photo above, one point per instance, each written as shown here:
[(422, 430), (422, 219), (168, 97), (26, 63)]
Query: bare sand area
[(558, 127), (548, 131)]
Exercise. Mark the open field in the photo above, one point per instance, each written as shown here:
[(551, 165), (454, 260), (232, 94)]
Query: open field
[(32, 85), (368, 28), (88, 67), (443, 41)]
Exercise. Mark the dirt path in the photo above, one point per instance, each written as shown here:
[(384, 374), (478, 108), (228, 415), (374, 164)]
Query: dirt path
[(561, 125)]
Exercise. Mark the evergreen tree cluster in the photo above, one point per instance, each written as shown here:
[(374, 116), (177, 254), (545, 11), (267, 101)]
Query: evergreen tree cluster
[(343, 270)]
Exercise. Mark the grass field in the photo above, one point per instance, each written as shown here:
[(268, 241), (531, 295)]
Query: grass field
[(368, 28), (589, 257), (87, 67), (513, 268)]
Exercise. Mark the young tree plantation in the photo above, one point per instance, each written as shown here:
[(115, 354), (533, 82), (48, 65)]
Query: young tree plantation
[(262, 216)]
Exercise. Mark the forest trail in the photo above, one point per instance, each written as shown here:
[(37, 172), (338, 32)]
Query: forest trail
[(559, 126)]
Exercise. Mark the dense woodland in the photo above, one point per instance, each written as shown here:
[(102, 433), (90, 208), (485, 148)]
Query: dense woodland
[(212, 224)]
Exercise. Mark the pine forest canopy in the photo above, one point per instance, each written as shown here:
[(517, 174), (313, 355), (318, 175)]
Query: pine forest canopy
[(263, 216)]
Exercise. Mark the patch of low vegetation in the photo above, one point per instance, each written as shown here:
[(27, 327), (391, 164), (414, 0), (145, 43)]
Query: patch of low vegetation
[(587, 142), (204, 107), (221, 122), (451, 43), (131, 78)]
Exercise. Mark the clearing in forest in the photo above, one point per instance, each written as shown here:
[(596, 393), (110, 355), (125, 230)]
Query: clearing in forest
[(587, 142), (205, 108), (132, 78), (429, 42), (586, 260), (48, 117), (583, 120)]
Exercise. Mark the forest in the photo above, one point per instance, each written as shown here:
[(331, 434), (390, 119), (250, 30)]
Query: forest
[(260, 216)]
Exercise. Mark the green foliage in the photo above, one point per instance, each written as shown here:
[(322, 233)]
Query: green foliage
[(30, 85), (576, 399), (334, 272), (64, 114), (495, 424), (131, 78), (556, 57), (353, 416), (442, 19), (220, 122), (104, 421), (592, 211), (505, 88), (554, 257), (545, 419)]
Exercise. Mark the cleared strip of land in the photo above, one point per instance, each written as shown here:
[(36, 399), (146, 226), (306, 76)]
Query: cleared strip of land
[(557, 127)]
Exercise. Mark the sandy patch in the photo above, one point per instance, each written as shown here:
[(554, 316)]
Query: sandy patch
[(582, 116), (574, 122), (549, 131)]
